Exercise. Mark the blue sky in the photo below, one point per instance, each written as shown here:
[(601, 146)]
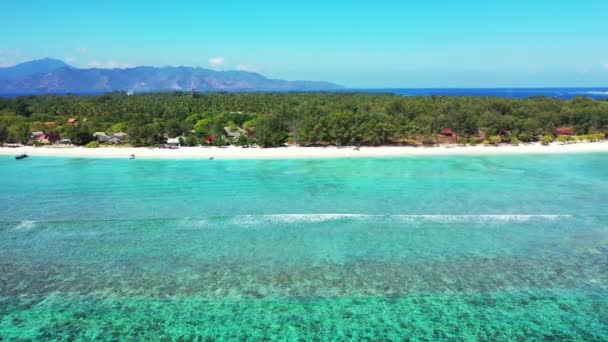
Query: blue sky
[(381, 43)]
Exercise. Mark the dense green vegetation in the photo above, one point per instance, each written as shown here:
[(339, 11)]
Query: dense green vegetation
[(273, 119)]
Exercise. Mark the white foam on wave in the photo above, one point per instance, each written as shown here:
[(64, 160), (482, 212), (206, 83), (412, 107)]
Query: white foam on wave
[(25, 225), (314, 218), (289, 218), (597, 92), (294, 218), (479, 218)]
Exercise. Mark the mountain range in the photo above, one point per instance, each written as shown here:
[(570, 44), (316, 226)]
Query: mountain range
[(56, 77)]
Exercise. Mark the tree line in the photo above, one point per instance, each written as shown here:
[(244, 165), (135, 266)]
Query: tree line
[(274, 119)]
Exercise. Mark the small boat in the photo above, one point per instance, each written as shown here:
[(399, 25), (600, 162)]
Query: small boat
[(21, 156), (132, 156)]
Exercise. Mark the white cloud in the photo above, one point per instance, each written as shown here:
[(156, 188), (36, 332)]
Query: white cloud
[(5, 62), (7, 52), (216, 62), (109, 65), (7, 57), (70, 60), (82, 49), (243, 67)]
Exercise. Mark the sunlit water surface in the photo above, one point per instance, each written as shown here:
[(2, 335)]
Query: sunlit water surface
[(504, 247)]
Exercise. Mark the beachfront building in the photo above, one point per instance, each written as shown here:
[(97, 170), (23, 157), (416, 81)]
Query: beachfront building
[(120, 135), (36, 134), (448, 132), (43, 140), (234, 133), (564, 131), (210, 138), (114, 138), (177, 141), (114, 141), (102, 137), (117, 138)]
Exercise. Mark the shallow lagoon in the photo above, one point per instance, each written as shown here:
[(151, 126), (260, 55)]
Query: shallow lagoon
[(502, 247)]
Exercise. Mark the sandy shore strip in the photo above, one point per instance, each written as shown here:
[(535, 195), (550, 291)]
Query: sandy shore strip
[(293, 152)]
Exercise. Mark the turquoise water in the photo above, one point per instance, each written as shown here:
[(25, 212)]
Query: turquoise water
[(432, 248)]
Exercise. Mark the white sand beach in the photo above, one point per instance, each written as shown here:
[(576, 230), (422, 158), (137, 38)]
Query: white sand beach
[(233, 152)]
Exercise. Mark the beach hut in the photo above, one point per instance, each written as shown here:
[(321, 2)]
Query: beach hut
[(175, 141), (448, 132), (564, 131), (72, 121), (102, 138), (234, 133), (210, 138), (43, 139), (36, 135), (114, 140), (120, 135)]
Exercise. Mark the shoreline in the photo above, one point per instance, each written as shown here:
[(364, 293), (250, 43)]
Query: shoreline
[(293, 152)]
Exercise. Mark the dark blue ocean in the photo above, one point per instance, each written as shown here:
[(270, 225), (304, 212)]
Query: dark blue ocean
[(513, 93)]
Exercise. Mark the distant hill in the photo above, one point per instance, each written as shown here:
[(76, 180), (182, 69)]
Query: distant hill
[(32, 67), (54, 76)]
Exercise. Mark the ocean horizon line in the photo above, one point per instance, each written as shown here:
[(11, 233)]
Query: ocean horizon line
[(595, 92)]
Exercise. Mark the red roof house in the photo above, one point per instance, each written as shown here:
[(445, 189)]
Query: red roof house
[(447, 132), (564, 131), (72, 121), (43, 139), (211, 138)]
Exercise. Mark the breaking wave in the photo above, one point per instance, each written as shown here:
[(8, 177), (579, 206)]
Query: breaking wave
[(602, 93), (293, 218), (25, 225), (313, 218), (257, 219), (479, 218)]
